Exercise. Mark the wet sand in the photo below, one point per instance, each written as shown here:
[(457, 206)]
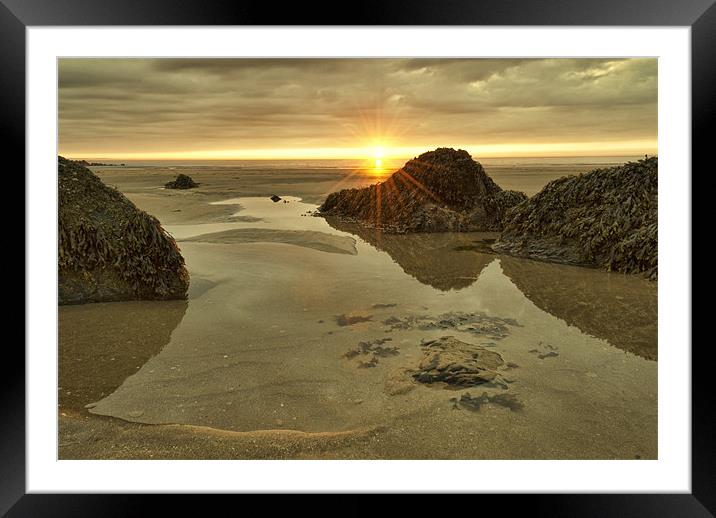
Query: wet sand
[(261, 361)]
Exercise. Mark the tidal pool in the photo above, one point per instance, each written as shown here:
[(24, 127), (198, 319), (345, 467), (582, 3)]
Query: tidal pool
[(295, 322)]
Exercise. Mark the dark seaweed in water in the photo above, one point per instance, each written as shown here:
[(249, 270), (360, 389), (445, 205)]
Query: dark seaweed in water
[(475, 403), (476, 323), (550, 354), (349, 320), (368, 364), (108, 249), (373, 348), (606, 218)]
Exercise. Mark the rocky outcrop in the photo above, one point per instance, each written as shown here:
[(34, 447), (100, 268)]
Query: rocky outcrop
[(439, 191), (182, 182), (110, 250), (85, 163), (606, 218)]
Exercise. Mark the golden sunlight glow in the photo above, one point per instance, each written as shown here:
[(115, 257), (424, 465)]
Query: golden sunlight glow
[(378, 155), (514, 149)]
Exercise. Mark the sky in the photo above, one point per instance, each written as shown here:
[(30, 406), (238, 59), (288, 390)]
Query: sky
[(175, 108)]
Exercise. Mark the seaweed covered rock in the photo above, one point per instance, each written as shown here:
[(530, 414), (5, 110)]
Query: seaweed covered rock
[(606, 218), (182, 182), (439, 191), (110, 250)]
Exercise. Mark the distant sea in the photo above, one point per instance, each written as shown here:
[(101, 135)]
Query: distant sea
[(527, 174), (531, 162)]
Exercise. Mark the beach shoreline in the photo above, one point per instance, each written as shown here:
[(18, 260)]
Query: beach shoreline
[(257, 271)]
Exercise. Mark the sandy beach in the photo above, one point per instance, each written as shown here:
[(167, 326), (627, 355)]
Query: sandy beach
[(301, 338)]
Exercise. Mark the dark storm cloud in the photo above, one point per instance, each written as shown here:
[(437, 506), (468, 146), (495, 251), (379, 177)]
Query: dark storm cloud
[(164, 105), (229, 66)]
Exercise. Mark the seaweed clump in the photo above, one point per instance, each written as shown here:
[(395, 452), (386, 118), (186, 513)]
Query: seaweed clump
[(606, 218), (109, 249), (443, 190)]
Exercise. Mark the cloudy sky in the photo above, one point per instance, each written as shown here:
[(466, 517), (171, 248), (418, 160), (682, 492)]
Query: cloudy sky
[(347, 108)]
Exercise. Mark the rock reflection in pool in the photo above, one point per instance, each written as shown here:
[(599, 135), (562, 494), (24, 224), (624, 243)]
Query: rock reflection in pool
[(102, 344), (445, 261), (619, 308)]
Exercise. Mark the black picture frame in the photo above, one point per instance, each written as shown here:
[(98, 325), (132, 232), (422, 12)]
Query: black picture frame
[(17, 15)]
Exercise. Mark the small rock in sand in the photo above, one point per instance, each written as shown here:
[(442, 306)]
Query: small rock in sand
[(448, 360), (182, 182)]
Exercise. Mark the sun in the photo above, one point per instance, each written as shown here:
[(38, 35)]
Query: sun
[(378, 157)]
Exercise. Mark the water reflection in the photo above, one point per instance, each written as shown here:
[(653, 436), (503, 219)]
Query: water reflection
[(621, 309), (262, 350), (102, 344), (445, 261)]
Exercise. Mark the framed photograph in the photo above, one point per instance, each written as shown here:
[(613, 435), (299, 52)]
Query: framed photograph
[(270, 252)]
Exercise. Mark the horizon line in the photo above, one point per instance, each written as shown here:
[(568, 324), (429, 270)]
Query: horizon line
[(282, 159)]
